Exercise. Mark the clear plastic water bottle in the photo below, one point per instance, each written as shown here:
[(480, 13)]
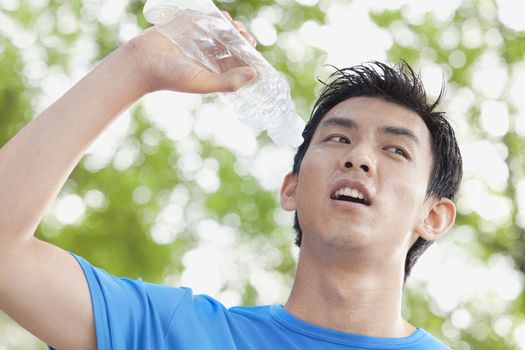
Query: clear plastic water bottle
[(202, 32)]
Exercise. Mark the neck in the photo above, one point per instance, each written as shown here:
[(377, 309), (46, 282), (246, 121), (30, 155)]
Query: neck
[(349, 297)]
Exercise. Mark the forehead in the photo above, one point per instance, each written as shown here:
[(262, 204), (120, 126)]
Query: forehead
[(376, 113)]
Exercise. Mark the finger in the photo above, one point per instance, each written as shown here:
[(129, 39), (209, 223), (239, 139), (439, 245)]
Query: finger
[(244, 32), (240, 26), (231, 80), (250, 38), (228, 16)]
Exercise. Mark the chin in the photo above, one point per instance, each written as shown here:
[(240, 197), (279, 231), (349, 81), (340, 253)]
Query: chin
[(347, 242)]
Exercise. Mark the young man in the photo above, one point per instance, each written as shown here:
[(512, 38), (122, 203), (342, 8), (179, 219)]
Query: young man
[(374, 179)]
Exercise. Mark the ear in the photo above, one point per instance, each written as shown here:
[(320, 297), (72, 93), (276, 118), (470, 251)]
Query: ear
[(288, 189), (440, 216)]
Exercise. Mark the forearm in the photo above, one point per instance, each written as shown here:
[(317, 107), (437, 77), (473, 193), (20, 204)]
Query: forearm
[(35, 164)]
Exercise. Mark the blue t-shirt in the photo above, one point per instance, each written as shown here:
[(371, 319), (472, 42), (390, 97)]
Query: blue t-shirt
[(132, 314)]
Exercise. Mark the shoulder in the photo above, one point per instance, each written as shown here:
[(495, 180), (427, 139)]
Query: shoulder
[(122, 289), (130, 313)]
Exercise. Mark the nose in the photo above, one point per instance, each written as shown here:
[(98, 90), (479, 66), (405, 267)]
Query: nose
[(359, 160), (363, 167)]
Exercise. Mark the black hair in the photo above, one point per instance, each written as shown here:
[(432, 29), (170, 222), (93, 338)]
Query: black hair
[(401, 85)]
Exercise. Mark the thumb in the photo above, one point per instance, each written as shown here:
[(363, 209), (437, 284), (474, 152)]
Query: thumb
[(236, 78), (228, 81)]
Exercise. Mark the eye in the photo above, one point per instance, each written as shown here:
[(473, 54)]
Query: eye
[(398, 150), (338, 139)]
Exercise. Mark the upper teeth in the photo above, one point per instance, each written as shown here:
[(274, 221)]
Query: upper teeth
[(350, 192)]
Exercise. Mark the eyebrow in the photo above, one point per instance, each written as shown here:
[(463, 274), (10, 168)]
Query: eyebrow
[(392, 130), (400, 131), (344, 122)]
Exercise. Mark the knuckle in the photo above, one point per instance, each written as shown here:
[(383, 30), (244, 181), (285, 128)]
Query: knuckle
[(231, 87)]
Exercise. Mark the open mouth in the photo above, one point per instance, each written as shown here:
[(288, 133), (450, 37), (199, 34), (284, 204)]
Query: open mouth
[(348, 194)]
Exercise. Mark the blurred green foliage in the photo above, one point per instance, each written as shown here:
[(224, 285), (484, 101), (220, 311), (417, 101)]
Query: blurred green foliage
[(117, 236)]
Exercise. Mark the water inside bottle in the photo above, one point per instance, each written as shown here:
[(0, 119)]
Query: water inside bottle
[(208, 38)]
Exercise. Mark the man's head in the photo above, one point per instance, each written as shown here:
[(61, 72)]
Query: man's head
[(392, 96)]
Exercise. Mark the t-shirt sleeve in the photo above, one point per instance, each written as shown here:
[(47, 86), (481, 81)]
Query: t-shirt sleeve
[(130, 314)]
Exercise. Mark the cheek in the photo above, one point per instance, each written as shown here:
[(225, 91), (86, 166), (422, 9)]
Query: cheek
[(408, 195), (313, 182), (404, 193), (314, 164), (308, 185)]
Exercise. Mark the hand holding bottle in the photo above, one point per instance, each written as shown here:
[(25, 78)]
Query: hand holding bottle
[(163, 66), (208, 38)]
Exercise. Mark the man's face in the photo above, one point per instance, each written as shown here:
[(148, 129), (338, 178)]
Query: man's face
[(363, 180)]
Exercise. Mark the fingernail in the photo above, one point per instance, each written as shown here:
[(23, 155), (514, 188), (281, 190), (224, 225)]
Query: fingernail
[(249, 74)]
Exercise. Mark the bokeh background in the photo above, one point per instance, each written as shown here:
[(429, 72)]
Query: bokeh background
[(178, 192)]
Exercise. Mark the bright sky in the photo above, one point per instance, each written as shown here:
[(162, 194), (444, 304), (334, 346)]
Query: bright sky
[(447, 272)]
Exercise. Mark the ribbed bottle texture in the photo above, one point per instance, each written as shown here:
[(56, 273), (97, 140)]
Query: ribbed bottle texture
[(202, 32)]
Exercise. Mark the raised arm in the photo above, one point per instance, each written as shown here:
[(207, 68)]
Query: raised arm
[(42, 287)]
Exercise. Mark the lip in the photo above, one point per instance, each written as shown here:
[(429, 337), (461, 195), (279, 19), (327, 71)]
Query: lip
[(352, 184)]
